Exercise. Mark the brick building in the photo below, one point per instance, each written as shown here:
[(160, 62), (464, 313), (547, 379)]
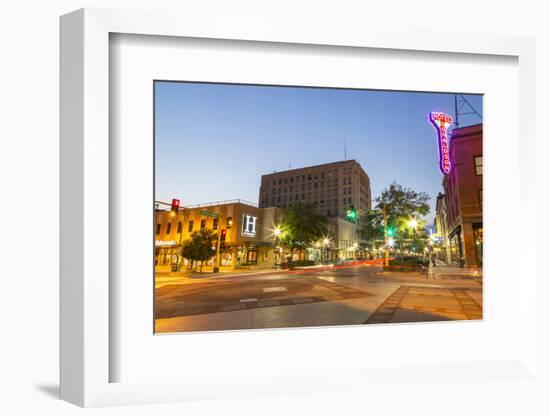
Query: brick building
[(463, 188), (250, 241)]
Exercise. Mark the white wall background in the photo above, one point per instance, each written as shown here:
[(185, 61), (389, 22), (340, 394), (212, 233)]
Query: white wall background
[(29, 57)]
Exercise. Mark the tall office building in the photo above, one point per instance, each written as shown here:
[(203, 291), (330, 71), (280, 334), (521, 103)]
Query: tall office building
[(333, 187)]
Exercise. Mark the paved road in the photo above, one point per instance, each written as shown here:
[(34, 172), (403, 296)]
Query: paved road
[(345, 296)]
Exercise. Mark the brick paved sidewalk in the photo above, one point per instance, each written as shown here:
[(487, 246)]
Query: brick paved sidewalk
[(421, 304)]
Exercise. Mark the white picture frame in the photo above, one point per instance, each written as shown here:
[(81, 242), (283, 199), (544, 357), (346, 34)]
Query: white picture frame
[(86, 356)]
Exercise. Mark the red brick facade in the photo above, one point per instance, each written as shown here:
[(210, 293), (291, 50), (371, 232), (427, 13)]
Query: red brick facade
[(464, 196)]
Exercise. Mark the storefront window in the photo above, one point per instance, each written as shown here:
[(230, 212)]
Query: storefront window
[(252, 256), (478, 239), (478, 160)]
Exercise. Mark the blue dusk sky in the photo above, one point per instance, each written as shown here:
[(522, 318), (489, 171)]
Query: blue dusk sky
[(213, 142)]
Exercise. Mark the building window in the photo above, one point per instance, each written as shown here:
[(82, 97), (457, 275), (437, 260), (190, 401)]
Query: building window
[(229, 222), (478, 161), (158, 228), (168, 228), (480, 195), (180, 227), (203, 224), (190, 226), (215, 226)]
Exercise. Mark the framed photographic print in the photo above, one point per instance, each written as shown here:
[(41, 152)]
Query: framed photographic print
[(239, 207)]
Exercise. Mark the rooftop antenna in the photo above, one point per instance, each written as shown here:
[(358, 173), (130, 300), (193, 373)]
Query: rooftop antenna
[(345, 150), (463, 108)]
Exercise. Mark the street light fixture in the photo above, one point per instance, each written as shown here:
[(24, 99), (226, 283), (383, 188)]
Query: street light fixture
[(413, 223)]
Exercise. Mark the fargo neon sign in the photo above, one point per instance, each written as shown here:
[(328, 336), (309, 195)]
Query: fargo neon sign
[(441, 122)]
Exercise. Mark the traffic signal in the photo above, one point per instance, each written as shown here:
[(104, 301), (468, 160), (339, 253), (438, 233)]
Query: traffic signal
[(352, 214), (390, 232), (223, 234), (175, 204)]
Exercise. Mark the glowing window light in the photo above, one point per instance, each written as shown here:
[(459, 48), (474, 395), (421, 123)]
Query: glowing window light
[(441, 122)]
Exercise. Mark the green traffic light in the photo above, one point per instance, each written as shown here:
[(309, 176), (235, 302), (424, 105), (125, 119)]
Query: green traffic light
[(390, 232)]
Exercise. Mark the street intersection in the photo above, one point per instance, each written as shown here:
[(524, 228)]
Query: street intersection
[(353, 295)]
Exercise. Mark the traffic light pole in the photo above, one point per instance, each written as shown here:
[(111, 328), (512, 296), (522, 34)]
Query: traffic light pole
[(218, 245), (386, 250)]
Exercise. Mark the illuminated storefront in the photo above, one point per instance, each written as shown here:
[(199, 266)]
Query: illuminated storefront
[(248, 231)]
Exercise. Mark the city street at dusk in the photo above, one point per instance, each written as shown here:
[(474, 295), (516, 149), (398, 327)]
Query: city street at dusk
[(341, 295), (298, 224)]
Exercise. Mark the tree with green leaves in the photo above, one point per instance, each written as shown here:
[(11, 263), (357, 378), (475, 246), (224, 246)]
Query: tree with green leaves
[(199, 247), (302, 225), (403, 208)]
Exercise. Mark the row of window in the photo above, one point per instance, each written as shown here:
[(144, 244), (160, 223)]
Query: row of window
[(282, 201), (316, 185), (191, 225), (304, 177), (322, 193)]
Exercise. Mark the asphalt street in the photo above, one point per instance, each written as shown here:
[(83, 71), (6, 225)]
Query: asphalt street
[(304, 298)]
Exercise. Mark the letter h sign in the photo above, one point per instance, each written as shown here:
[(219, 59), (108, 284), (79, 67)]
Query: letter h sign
[(249, 225)]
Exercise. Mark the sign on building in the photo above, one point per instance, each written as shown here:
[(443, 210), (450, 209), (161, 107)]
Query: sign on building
[(441, 122), (249, 225)]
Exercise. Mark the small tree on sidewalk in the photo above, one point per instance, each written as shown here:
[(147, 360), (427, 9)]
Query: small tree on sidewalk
[(199, 247)]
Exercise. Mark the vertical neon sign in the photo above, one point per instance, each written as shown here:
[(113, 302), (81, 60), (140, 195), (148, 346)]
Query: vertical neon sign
[(441, 122)]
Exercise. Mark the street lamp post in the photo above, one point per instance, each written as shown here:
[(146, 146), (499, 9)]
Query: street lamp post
[(277, 232), (413, 223), (326, 242)]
